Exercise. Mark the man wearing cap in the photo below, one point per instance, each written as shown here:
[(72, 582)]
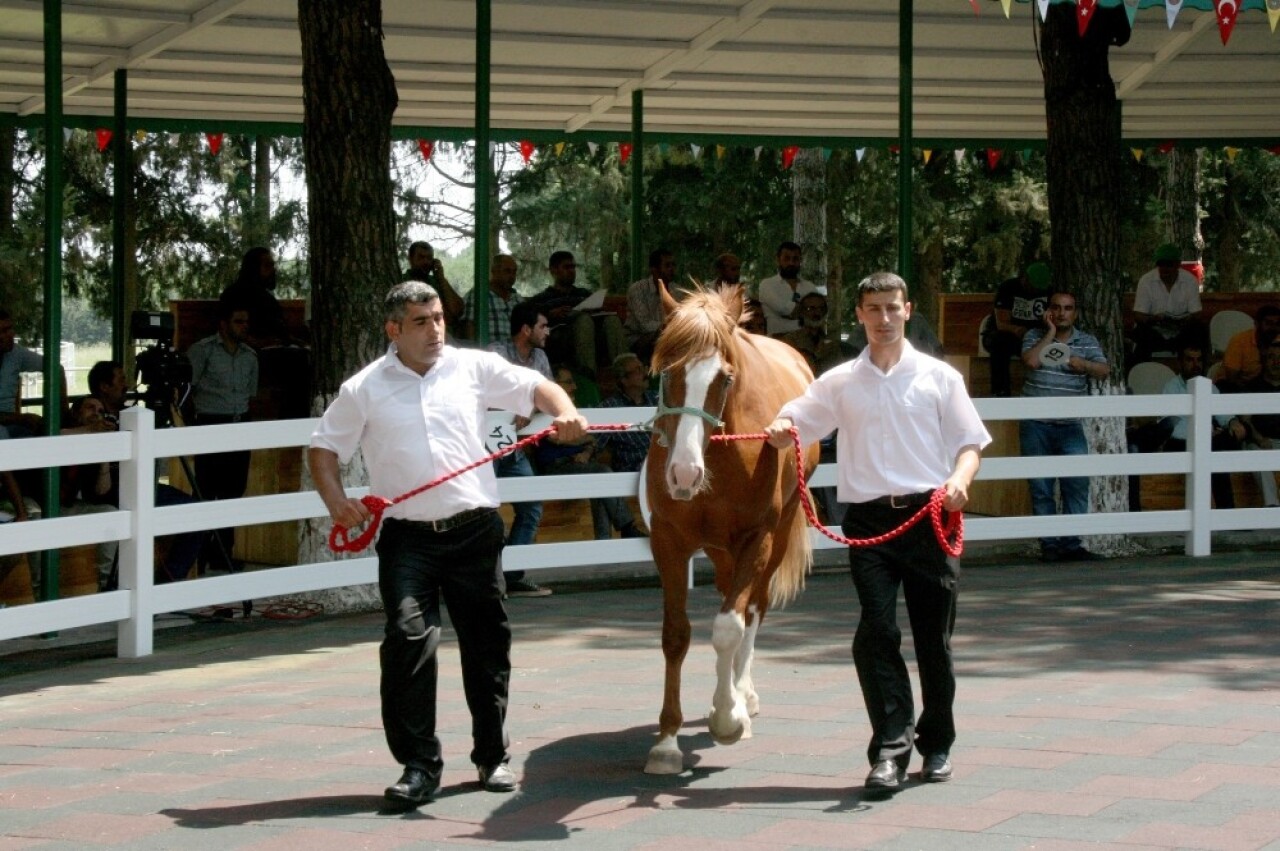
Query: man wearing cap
[(1166, 304), (1020, 306)]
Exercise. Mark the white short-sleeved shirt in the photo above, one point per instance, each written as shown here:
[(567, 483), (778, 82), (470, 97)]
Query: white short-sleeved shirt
[(414, 428), (779, 300), (1154, 299), (900, 431)]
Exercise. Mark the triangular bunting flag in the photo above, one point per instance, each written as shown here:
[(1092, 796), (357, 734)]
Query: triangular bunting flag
[(427, 147), (720, 149), (66, 134), (993, 158), (1131, 9), (1171, 10), (1084, 14), (1044, 8), (974, 4), (893, 149), (1226, 10), (663, 147), (139, 135), (696, 150), (860, 153), (1164, 147), (559, 148), (1275, 149), (1137, 153), (215, 142), (175, 139), (592, 146), (759, 148), (959, 155), (1232, 153), (624, 152), (1006, 4), (103, 137), (826, 155), (1273, 13), (789, 155), (928, 155), (526, 150)]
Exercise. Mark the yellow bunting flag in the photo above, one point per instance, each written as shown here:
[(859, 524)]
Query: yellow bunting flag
[(1137, 153), (1273, 13), (559, 148), (1231, 154), (1006, 4), (720, 149), (928, 155)]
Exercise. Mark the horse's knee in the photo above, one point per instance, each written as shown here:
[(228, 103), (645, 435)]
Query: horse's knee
[(727, 632)]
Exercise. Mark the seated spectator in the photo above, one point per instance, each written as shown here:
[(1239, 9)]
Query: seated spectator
[(576, 336), (566, 459), (752, 320), (85, 486), (527, 330), (584, 392), (728, 269), (1264, 429), (628, 449), (1242, 360), (503, 299), (821, 350), (1019, 306), (423, 266), (1229, 432), (1166, 306), (644, 304)]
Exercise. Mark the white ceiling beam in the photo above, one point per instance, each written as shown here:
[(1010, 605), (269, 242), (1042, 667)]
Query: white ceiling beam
[(143, 50), (1171, 48), (89, 10)]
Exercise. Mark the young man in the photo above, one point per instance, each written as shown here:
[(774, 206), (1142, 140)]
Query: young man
[(418, 412), (1060, 359), (906, 427), (574, 334)]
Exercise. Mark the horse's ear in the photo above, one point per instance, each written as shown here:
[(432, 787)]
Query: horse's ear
[(734, 301), (669, 304)]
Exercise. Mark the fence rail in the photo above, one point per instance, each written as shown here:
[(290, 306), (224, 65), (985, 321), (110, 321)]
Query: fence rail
[(138, 446)]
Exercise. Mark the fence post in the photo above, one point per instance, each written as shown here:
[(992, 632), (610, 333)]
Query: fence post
[(134, 637), (1200, 445)]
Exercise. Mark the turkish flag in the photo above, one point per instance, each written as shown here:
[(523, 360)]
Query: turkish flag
[(103, 137), (1084, 14), (1226, 10), (215, 142), (427, 147), (624, 151), (526, 151), (789, 155)]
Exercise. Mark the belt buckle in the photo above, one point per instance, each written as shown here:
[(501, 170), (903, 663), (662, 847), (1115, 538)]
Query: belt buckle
[(893, 502), (442, 525)]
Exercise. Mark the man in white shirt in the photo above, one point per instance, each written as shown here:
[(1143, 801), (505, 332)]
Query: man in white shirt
[(906, 427), (781, 294), (644, 304), (417, 413), (1166, 305)]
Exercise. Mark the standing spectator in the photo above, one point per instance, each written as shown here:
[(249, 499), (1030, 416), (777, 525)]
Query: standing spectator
[(1020, 305), (255, 289), (1229, 432), (1061, 359), (528, 331), (1242, 360), (417, 412), (1166, 305), (781, 293), (423, 266), (628, 449), (906, 428), (574, 333), (16, 359), (644, 304), (503, 299), (224, 378)]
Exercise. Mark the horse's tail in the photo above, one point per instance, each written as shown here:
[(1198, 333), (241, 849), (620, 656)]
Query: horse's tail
[(788, 579)]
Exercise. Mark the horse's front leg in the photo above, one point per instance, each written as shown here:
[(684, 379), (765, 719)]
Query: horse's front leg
[(729, 720), (665, 757)]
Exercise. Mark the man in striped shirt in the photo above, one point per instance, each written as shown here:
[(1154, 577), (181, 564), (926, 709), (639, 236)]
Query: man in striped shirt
[(1061, 359)]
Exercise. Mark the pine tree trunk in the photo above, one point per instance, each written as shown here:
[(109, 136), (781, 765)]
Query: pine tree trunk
[(349, 97), (1083, 165), (8, 144), (1182, 201), (809, 192), (261, 227), (1229, 254)]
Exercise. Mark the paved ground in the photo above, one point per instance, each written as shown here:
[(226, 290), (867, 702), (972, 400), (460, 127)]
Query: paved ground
[(1131, 704)]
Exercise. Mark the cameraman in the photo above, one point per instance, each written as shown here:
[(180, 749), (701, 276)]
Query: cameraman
[(224, 377)]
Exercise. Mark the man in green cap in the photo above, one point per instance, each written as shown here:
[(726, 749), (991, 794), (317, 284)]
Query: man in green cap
[(1166, 305), (1020, 306)]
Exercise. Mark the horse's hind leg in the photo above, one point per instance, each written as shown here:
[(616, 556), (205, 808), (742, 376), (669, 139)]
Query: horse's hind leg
[(665, 757)]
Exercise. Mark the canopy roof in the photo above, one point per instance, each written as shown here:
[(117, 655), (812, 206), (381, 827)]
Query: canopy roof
[(788, 69)]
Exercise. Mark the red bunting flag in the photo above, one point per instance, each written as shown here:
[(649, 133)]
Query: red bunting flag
[(993, 158), (103, 136), (1165, 147), (624, 151), (526, 151), (974, 4), (1226, 11), (1084, 14), (427, 147), (1275, 149), (215, 142), (789, 155)]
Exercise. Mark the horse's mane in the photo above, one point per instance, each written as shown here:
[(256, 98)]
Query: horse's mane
[(703, 323)]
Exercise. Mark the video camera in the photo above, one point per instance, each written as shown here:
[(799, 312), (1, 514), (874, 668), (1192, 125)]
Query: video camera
[(166, 374)]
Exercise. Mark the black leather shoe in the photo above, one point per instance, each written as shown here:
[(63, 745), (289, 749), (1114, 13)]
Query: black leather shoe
[(886, 774), (937, 768), (414, 787), (497, 778)]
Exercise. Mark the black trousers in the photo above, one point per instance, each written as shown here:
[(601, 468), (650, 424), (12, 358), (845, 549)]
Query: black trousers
[(416, 568), (929, 580), (1003, 347), (220, 475)]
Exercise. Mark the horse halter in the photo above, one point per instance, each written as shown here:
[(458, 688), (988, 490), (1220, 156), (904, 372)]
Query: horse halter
[(662, 410)]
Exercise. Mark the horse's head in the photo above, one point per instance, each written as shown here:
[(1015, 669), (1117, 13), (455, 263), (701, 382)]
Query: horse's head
[(695, 358)]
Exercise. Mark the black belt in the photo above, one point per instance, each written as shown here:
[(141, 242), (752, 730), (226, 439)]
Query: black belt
[(221, 419), (447, 524), (907, 500)]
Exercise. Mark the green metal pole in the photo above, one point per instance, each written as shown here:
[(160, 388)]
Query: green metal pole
[(52, 269), (484, 169), (120, 188), (637, 186), (905, 72)]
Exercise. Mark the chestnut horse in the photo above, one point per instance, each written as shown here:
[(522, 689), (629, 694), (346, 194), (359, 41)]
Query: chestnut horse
[(736, 500)]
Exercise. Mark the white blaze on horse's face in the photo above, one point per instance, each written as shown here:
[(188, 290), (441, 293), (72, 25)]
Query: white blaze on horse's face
[(686, 470)]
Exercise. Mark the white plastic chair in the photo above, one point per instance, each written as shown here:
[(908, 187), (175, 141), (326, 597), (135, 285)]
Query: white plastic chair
[(1224, 325), (1149, 378)]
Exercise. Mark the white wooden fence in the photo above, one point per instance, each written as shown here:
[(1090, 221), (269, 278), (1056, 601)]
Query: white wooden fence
[(139, 521)]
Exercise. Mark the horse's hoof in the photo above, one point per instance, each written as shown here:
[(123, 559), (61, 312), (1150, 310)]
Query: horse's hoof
[(664, 762), (737, 728)]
